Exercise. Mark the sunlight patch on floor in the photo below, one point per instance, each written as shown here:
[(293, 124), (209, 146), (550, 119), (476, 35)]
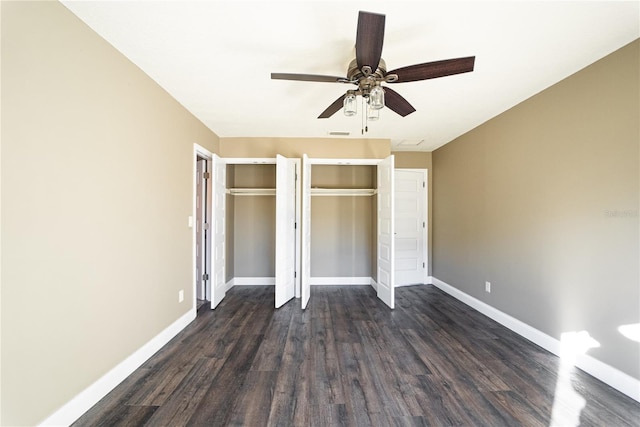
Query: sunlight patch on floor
[(568, 403)]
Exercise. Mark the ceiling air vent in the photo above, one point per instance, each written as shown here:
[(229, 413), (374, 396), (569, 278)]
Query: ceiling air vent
[(339, 133)]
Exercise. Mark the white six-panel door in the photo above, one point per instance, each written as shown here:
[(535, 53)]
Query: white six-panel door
[(410, 226), (305, 284), (285, 229), (219, 190), (386, 269)]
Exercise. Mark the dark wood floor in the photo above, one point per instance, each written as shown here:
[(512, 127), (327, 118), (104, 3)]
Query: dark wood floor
[(349, 360)]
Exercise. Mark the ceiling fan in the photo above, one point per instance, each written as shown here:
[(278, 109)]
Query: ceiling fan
[(368, 70)]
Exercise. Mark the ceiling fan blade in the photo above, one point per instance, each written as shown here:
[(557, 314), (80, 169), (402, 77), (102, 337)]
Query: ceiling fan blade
[(432, 70), (333, 108), (309, 78), (369, 38), (395, 102)]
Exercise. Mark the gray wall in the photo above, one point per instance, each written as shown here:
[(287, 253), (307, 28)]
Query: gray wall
[(254, 222), (542, 201)]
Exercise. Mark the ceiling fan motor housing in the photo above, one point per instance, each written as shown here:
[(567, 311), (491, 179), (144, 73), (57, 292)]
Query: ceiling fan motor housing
[(365, 79)]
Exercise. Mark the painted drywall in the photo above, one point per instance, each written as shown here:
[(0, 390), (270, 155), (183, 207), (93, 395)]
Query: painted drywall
[(97, 177), (332, 148), (254, 222), (343, 236), (420, 160), (543, 201)]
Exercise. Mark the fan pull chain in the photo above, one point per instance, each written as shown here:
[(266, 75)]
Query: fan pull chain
[(362, 119), (365, 117)]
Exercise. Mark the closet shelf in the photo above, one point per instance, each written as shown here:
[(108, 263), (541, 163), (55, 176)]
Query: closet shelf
[(343, 191), (251, 191)]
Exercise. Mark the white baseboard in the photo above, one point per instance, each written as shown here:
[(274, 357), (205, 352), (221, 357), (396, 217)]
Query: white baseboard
[(251, 281), (81, 403), (609, 375), (340, 281)]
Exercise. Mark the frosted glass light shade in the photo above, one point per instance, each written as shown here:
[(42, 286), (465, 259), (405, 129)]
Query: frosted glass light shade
[(376, 98), (350, 105), (372, 114)]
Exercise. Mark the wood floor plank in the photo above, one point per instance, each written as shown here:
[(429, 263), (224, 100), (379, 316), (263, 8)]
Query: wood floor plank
[(184, 401), (349, 360), (216, 405), (325, 378), (270, 352), (125, 416), (329, 415), (292, 393), (386, 379), (364, 405), (254, 402)]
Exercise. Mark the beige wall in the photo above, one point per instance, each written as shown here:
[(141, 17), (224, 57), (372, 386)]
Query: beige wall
[(97, 164), (312, 147), (420, 160), (543, 200)]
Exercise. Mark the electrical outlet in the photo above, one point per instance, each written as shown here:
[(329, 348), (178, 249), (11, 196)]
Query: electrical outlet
[(487, 287), (180, 295)]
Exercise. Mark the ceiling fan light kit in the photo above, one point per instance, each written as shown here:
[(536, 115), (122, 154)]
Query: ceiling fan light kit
[(350, 104), (368, 71)]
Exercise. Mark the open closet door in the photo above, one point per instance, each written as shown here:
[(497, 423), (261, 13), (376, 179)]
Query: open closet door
[(305, 291), (285, 230), (219, 190), (386, 244)]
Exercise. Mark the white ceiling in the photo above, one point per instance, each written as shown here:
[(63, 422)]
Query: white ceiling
[(215, 57)]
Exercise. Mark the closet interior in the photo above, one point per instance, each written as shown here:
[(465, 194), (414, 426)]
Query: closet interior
[(254, 218), (347, 224)]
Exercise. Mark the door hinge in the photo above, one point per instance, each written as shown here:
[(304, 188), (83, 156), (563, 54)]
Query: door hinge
[(295, 225), (205, 226), (206, 175), (423, 184), (422, 224), (205, 277), (423, 265), (295, 274)]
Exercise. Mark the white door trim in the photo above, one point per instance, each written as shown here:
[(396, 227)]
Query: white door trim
[(198, 151)]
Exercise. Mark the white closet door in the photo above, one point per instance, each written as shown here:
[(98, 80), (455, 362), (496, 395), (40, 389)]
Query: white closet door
[(305, 290), (285, 230), (219, 189), (386, 232)]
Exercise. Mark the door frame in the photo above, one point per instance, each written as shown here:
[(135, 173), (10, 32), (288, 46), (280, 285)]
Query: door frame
[(307, 165), (425, 230), (298, 185), (199, 152)]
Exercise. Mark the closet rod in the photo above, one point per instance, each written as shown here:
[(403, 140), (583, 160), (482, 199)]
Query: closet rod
[(251, 191), (343, 191)]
